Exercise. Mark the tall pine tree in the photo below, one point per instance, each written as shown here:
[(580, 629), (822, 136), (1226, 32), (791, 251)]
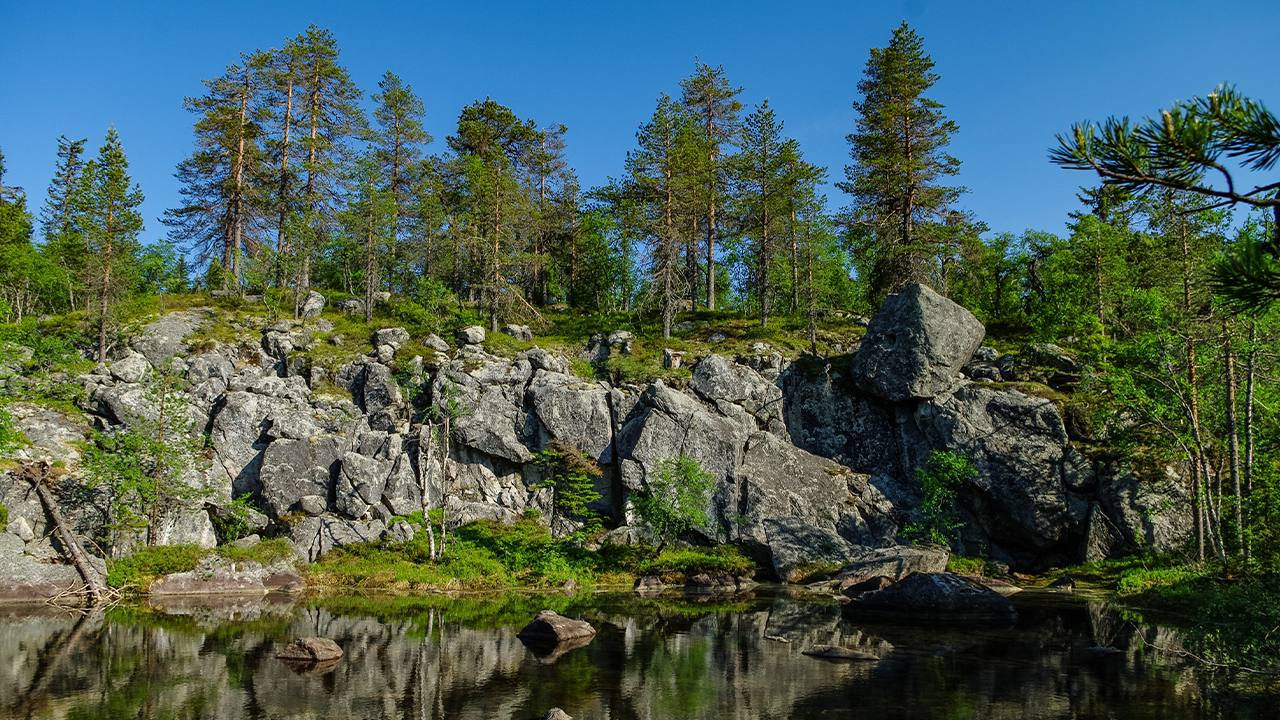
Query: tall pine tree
[(108, 218), (63, 244), (397, 139), (898, 153)]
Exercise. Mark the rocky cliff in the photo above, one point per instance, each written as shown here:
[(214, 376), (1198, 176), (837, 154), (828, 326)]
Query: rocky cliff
[(814, 459)]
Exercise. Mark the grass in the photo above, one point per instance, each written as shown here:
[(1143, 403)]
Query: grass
[(139, 570), (492, 556), (982, 567), (1229, 621)]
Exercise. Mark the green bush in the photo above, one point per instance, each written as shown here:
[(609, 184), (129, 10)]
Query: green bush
[(139, 569), (11, 438), (233, 523), (4, 517), (939, 478), (675, 499), (265, 552)]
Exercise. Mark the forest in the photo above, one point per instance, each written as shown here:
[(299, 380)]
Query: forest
[(299, 180)]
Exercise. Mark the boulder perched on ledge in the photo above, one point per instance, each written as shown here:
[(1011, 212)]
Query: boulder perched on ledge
[(936, 597), (552, 627), (916, 345)]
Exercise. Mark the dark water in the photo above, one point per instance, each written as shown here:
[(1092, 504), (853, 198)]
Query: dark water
[(672, 658)]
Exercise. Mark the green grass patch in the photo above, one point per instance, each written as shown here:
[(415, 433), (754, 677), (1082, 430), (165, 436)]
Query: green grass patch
[(4, 517), (138, 570), (265, 552), (982, 567)]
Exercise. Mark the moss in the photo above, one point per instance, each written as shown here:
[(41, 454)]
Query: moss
[(983, 567), (4, 517)]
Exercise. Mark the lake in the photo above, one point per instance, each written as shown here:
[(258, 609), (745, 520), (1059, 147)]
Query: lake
[(667, 658)]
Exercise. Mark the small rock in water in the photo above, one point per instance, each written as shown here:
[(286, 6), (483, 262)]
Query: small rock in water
[(557, 714), (551, 627), (776, 638), (310, 650), (1064, 583), (836, 652)]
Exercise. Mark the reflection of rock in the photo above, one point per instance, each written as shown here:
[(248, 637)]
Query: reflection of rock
[(935, 597), (837, 652), (549, 653)]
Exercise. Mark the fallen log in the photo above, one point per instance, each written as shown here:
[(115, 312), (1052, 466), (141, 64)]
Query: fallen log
[(37, 473)]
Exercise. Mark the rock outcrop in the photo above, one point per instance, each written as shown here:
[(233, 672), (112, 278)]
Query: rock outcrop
[(814, 463)]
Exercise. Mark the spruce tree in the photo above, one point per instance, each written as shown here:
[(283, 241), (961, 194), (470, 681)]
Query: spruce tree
[(490, 143), (898, 153), (761, 178), (108, 219), (397, 141), (329, 115), (708, 94), (664, 148), (63, 245)]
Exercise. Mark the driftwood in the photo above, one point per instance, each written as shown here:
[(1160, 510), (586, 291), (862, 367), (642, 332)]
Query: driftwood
[(37, 473)]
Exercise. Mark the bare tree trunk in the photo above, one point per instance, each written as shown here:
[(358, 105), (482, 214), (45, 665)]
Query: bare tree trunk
[(1250, 374), (36, 473), (1193, 392), (237, 232), (282, 246), (1233, 431), (104, 291), (370, 266), (795, 265)]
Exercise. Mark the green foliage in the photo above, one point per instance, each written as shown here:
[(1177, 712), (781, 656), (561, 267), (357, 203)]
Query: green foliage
[(11, 438), (4, 517), (939, 478), (268, 551), (962, 565), (145, 471), (146, 564), (722, 560), (572, 477), (233, 522), (675, 500)]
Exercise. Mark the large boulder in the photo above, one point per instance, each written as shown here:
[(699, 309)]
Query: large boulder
[(552, 627), (313, 537), (167, 336), (294, 469), (1017, 444), (916, 345), (310, 650), (720, 381), (800, 513), (938, 597), (313, 305), (894, 563)]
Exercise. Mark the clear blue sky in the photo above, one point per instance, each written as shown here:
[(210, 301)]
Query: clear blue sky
[(1013, 73)]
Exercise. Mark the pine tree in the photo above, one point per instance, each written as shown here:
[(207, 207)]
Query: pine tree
[(664, 145), (761, 180), (555, 189), (490, 143), (62, 244), (108, 218), (221, 202), (283, 71), (368, 220), (899, 154), (709, 95), (330, 115), (397, 140)]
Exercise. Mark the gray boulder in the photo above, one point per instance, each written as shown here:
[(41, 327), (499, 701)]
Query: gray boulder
[(361, 481), (313, 305), (1018, 444), (552, 627), (313, 537), (894, 563), (938, 597), (167, 336), (395, 337), (471, 335), (293, 469), (519, 332), (131, 368), (916, 346), (719, 381)]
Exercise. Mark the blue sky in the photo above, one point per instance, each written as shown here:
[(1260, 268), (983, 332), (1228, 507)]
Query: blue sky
[(1013, 73)]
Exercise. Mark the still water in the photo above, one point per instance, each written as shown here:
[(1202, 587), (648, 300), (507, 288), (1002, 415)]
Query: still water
[(669, 659)]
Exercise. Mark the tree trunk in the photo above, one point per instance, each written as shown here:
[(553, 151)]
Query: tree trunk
[(237, 232), (370, 266), (1233, 431), (104, 292), (1193, 403), (282, 246), (1250, 374), (36, 473)]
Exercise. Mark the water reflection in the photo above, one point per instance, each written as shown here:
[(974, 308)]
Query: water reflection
[(665, 658)]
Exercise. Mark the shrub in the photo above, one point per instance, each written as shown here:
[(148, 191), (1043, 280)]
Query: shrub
[(233, 523), (4, 517), (11, 438), (938, 520), (265, 552), (675, 499), (571, 475), (724, 560)]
